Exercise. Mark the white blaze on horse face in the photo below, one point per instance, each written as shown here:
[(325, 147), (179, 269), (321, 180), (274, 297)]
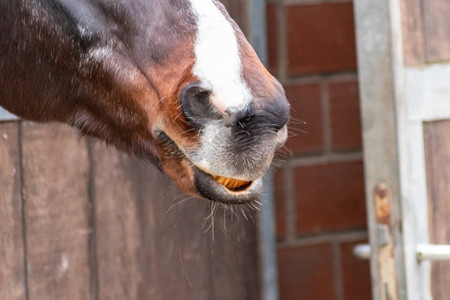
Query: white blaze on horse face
[(217, 59)]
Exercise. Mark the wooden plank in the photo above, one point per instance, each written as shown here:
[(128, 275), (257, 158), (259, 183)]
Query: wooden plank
[(139, 255), (412, 32), (234, 259), (12, 271), (55, 167), (121, 263), (437, 153), (151, 243), (425, 31), (437, 30)]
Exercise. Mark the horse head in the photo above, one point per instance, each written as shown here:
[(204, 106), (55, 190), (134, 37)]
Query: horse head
[(174, 82)]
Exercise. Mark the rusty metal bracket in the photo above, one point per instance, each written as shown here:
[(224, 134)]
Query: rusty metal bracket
[(386, 258)]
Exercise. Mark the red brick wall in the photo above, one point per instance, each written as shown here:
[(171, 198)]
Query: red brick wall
[(319, 182)]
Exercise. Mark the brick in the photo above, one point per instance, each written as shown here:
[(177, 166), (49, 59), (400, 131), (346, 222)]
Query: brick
[(321, 38), (355, 274), (345, 116), (306, 273), (330, 198), (305, 107), (280, 203), (272, 37)]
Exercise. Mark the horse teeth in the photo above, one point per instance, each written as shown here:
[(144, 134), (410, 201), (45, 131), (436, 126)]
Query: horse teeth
[(238, 183), (230, 182)]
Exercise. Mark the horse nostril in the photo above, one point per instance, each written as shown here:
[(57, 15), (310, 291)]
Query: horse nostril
[(196, 105)]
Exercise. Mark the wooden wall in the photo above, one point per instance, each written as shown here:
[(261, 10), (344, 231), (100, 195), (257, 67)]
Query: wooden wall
[(437, 149), (426, 40), (81, 221), (426, 31)]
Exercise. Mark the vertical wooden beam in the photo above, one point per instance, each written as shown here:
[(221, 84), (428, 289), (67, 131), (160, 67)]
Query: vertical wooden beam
[(378, 29), (55, 167), (12, 271), (437, 155)]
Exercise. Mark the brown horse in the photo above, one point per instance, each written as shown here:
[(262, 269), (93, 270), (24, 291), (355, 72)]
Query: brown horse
[(172, 81)]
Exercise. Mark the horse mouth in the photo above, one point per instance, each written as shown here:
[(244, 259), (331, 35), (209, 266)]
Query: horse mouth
[(234, 185), (215, 187), (226, 190)]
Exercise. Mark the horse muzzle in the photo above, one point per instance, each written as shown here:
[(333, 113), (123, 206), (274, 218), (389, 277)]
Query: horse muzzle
[(232, 188)]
